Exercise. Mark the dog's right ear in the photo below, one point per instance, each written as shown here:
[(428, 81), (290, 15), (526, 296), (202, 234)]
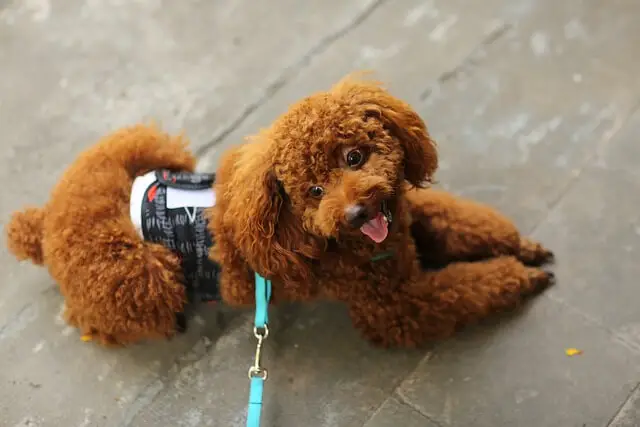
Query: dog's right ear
[(420, 154), (268, 234)]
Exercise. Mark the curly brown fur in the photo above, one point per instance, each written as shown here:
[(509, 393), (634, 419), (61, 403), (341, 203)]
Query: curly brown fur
[(117, 288), (454, 261), (24, 235)]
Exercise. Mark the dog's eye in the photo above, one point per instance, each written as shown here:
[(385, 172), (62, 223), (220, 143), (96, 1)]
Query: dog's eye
[(316, 191), (355, 158)]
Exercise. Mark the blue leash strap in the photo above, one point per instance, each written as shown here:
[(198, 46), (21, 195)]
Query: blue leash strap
[(255, 402), (263, 294), (258, 374)]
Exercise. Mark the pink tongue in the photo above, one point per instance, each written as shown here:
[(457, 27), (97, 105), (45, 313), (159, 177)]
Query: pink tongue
[(377, 229)]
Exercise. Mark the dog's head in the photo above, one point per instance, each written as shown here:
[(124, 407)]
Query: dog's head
[(333, 166)]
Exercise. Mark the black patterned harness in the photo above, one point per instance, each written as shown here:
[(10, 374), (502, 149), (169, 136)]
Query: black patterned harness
[(183, 230)]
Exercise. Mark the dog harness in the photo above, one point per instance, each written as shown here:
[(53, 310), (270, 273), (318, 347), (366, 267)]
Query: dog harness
[(167, 207)]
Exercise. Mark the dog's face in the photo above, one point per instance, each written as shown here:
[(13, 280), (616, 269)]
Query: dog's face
[(333, 166), (340, 172), (342, 157)]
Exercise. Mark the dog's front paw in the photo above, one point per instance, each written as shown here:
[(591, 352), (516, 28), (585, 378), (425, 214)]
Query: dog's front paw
[(539, 280), (534, 254)]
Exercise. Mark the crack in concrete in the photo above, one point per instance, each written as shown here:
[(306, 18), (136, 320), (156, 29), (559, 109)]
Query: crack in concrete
[(152, 390), (414, 408), (142, 400), (198, 352), (621, 409), (554, 204), (405, 401), (629, 345), (607, 136), (472, 60), (397, 395), (25, 314), (25, 311), (289, 73)]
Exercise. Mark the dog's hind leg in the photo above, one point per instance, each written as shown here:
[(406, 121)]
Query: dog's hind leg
[(120, 289), (448, 229), (118, 286), (434, 304)]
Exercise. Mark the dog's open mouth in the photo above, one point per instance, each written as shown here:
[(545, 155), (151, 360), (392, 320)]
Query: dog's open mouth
[(377, 229)]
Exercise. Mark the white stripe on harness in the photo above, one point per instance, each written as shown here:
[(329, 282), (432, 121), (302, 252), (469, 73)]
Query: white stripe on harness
[(176, 198), (138, 191), (179, 198)]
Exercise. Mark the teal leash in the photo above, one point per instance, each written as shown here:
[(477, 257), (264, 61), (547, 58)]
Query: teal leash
[(258, 374)]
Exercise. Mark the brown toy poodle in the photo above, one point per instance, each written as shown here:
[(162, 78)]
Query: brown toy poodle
[(330, 202)]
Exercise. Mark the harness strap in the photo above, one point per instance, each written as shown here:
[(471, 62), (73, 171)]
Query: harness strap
[(257, 373)]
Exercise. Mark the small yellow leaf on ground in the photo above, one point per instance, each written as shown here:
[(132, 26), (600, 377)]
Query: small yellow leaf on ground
[(85, 338), (573, 352)]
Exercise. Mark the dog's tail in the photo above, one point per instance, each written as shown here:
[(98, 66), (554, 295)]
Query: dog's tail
[(24, 235), (142, 148)]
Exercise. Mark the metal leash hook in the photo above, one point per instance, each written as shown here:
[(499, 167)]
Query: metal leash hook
[(257, 371), (257, 374)]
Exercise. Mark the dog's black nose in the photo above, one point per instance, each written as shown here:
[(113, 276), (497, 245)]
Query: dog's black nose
[(356, 215)]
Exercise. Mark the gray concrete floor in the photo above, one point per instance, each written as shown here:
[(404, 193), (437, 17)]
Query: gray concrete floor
[(534, 105)]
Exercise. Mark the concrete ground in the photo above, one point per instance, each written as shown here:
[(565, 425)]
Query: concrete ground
[(534, 105)]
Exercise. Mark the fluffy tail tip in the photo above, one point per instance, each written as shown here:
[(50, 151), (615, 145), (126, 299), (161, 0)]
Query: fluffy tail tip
[(24, 235)]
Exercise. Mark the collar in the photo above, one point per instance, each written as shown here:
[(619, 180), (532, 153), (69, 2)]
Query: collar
[(382, 256)]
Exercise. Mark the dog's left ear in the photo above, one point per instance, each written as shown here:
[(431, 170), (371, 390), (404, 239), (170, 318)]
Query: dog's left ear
[(420, 154), (267, 234)]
